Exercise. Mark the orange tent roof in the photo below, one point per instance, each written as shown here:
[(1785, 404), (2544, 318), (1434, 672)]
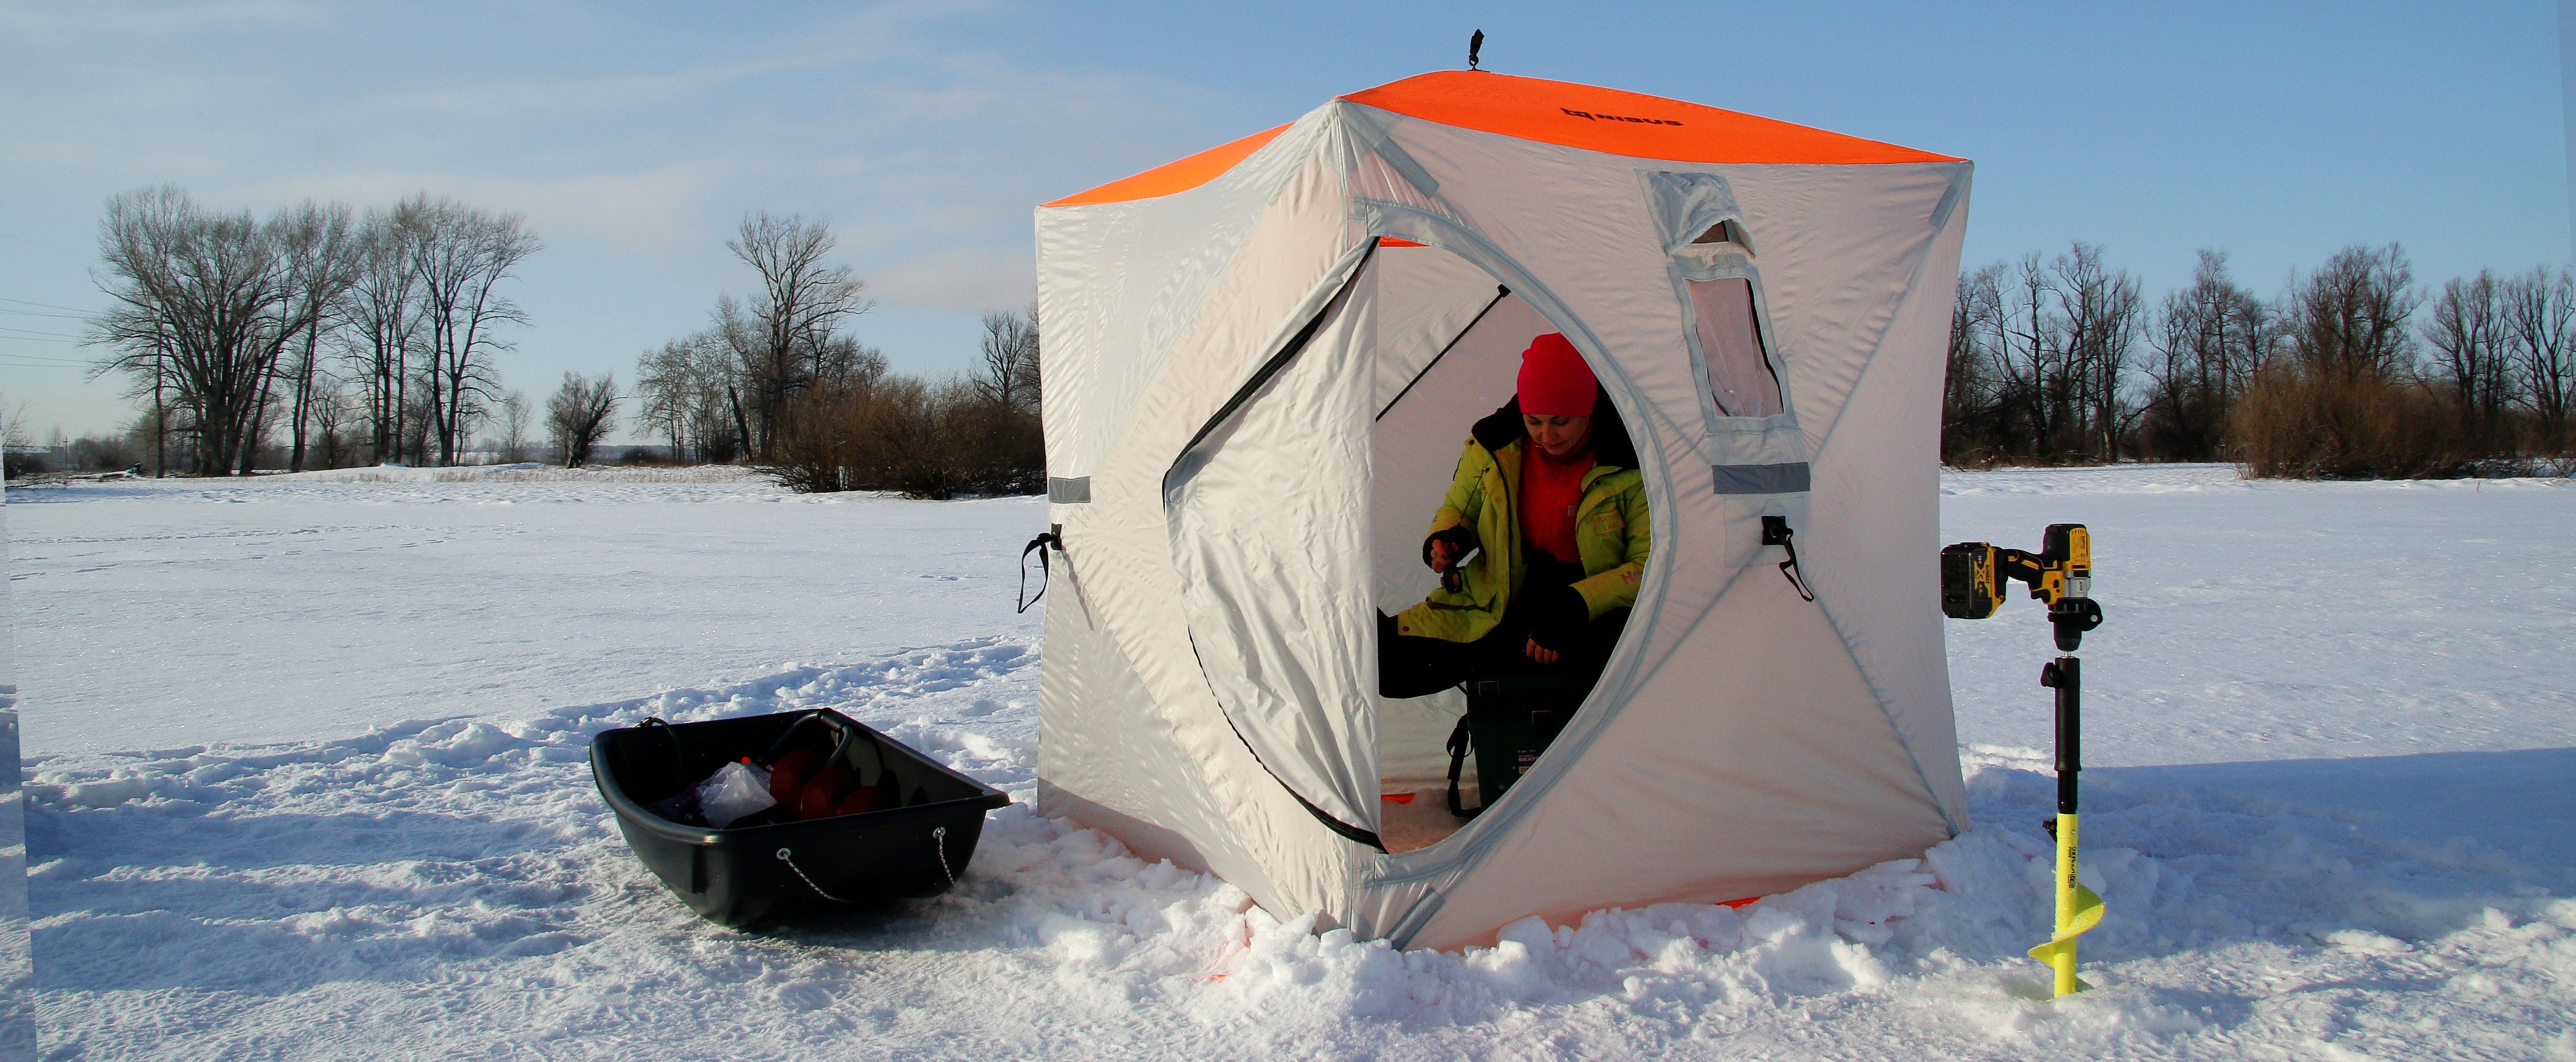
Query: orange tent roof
[(1553, 112)]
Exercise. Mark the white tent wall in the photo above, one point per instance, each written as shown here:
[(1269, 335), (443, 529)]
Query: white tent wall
[(1121, 285), (1742, 739), (1269, 524), (1206, 800), (1731, 772), (1428, 297), (1878, 470)]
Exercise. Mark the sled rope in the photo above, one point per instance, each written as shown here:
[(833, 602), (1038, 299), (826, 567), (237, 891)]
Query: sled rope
[(939, 841)]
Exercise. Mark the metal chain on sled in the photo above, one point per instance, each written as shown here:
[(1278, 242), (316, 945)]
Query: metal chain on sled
[(784, 857), (938, 841)]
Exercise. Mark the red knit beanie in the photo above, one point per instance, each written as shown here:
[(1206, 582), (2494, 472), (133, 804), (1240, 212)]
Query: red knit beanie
[(1554, 380)]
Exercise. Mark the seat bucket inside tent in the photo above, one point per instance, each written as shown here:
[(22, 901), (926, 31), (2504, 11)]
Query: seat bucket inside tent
[(1261, 365)]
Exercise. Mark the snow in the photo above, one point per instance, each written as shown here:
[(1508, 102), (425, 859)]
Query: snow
[(166, 613), (17, 956), (2330, 817)]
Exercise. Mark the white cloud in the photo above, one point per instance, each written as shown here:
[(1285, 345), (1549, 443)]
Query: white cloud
[(968, 279), (657, 212), (871, 34)]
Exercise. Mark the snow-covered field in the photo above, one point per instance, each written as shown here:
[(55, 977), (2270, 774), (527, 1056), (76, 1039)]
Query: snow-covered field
[(294, 607), (306, 778), (17, 968)]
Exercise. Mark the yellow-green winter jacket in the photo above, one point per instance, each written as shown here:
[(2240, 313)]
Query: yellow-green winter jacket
[(1611, 529)]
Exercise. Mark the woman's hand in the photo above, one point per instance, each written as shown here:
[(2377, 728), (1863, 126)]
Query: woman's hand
[(1562, 618), (1443, 551)]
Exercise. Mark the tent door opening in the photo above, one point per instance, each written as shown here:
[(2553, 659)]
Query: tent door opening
[(1449, 344), (1297, 517)]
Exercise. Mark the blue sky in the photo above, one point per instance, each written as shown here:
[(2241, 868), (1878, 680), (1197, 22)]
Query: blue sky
[(634, 135)]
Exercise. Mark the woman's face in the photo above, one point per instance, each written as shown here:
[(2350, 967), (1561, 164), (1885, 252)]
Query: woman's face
[(1558, 437)]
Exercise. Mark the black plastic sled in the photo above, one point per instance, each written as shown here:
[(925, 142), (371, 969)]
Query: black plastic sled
[(762, 868)]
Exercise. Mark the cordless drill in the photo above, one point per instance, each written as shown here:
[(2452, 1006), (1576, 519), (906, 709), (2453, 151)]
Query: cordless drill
[(2060, 575)]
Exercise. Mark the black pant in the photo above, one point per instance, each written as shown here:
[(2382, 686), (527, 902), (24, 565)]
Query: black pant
[(1414, 666)]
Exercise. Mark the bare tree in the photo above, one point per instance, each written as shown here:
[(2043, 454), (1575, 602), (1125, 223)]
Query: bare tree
[(867, 429), (801, 305), (580, 414), (13, 436), (322, 254), (690, 390), (333, 411), (146, 365), (2205, 337), (2467, 331), (1969, 389), (2350, 402), (382, 315), (2540, 322), (514, 428), (198, 300), (461, 255), (1010, 375), (2041, 359), (2350, 316), (662, 394), (2100, 311)]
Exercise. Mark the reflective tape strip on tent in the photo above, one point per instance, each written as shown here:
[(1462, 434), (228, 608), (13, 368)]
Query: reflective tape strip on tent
[(1788, 478)]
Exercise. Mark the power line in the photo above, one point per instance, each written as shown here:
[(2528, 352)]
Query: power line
[(42, 357), (32, 243), (47, 305), (41, 337), (42, 313)]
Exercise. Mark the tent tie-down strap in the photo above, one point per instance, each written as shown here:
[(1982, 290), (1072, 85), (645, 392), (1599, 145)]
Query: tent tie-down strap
[(1460, 742), (1776, 532), (1051, 541)]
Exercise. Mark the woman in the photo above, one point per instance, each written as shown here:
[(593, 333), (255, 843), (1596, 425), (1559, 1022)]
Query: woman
[(1549, 501)]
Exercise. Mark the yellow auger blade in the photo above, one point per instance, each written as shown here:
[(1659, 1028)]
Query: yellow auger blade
[(2088, 913), (2078, 910)]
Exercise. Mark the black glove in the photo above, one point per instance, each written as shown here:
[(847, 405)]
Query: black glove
[(1459, 543), (1559, 619)]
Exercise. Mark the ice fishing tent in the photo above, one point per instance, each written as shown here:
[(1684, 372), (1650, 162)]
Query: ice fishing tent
[(1260, 363)]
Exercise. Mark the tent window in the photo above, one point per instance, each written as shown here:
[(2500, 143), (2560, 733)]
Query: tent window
[(1722, 232), (1739, 377)]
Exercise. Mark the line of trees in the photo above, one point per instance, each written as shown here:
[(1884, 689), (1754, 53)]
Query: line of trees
[(776, 380), (2352, 370), (365, 338)]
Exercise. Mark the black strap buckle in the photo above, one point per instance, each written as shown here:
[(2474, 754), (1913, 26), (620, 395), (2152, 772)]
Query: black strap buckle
[(1776, 532), (1459, 743)]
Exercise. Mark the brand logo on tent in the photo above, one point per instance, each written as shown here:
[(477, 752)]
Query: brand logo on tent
[(1617, 117)]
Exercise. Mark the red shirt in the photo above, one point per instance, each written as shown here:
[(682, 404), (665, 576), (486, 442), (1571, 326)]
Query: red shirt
[(1549, 492)]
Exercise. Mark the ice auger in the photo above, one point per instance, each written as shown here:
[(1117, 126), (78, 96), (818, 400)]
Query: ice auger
[(2060, 574)]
